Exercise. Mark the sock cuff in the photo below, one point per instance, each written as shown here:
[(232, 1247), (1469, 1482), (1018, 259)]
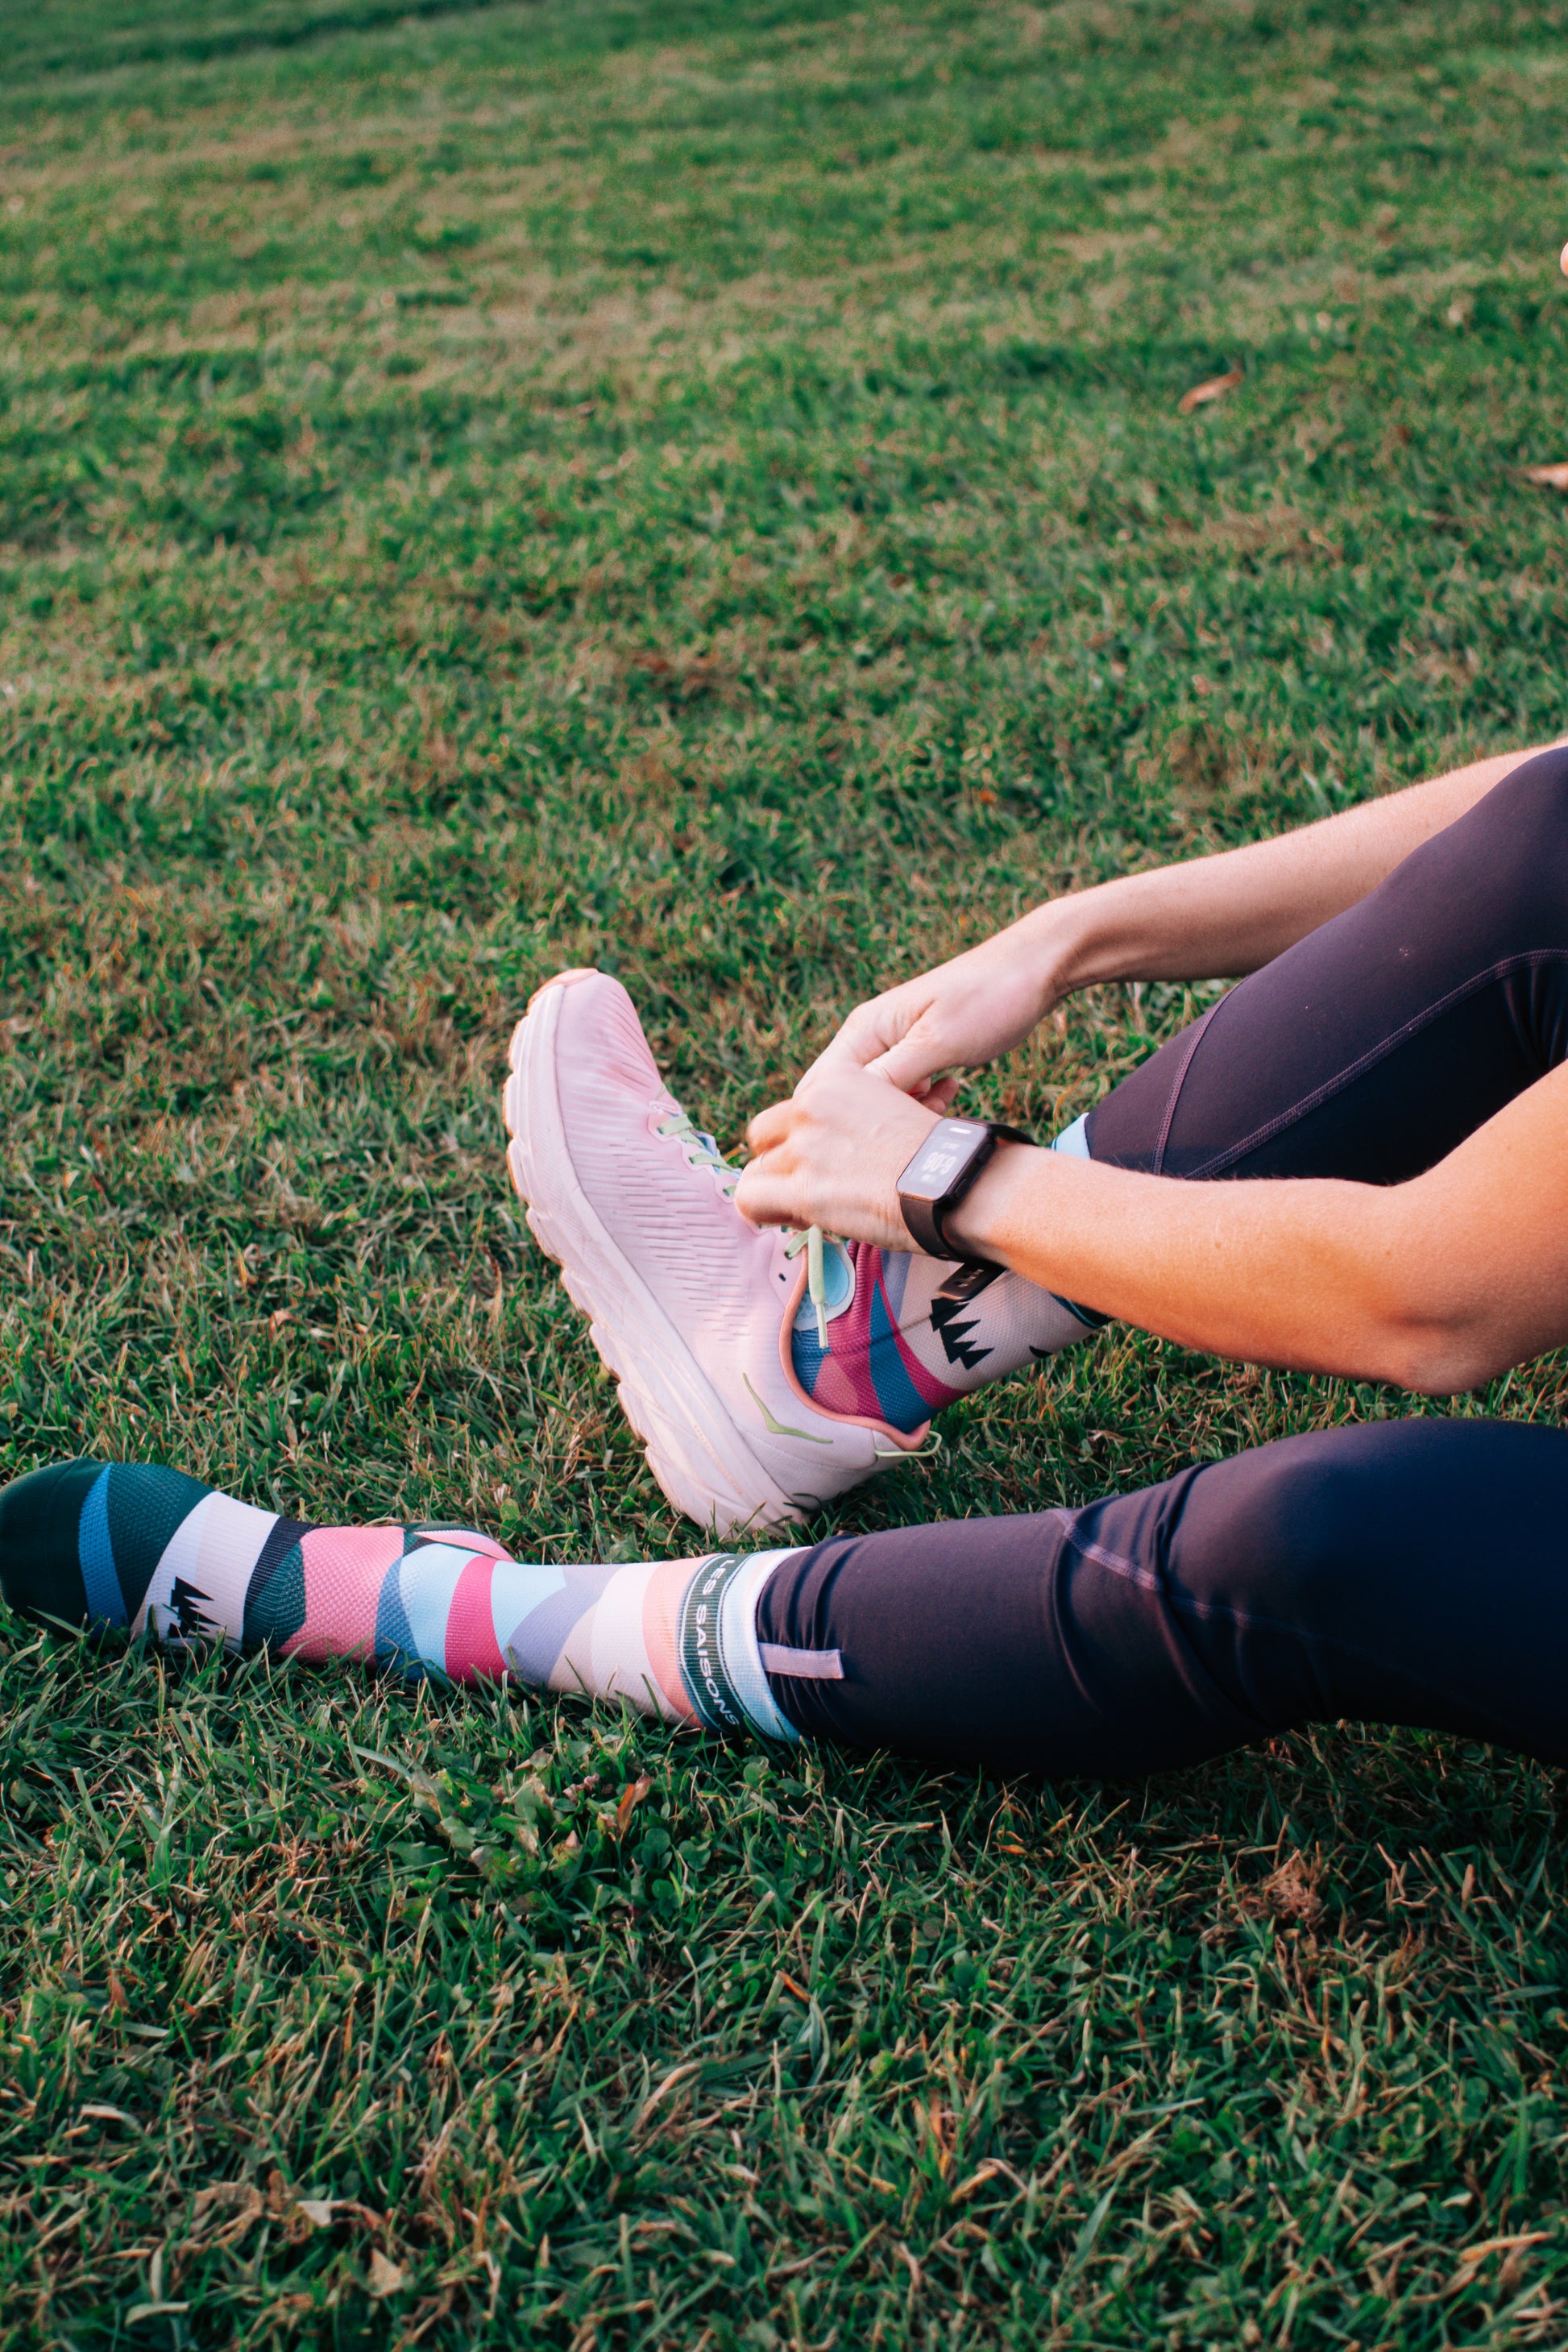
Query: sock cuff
[(721, 1659)]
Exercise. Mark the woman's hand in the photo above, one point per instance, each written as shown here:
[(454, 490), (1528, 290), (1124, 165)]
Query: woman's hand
[(959, 1016), (833, 1154)]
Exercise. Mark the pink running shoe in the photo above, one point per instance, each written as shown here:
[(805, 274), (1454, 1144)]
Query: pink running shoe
[(689, 1305)]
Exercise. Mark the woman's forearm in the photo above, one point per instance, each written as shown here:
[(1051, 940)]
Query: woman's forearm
[(1423, 1283), (1226, 915), (1286, 1273)]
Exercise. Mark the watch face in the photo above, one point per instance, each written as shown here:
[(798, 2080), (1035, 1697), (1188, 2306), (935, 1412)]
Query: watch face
[(942, 1158)]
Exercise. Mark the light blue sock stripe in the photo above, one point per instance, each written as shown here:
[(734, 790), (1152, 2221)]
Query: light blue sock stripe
[(741, 1657), (428, 1577), (95, 1551), (900, 1401)]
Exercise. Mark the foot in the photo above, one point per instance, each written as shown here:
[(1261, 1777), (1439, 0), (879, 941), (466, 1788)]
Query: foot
[(689, 1306)]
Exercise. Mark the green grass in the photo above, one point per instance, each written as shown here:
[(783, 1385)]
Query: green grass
[(700, 487)]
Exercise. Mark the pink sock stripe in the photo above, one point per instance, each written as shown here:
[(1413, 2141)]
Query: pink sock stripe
[(472, 1653), (925, 1383), (843, 1382), (344, 1568)]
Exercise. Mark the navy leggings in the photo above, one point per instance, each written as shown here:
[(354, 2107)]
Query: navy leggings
[(1411, 1572)]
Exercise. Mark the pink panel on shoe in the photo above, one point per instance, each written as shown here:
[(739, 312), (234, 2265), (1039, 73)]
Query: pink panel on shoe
[(344, 1568), (471, 1651)]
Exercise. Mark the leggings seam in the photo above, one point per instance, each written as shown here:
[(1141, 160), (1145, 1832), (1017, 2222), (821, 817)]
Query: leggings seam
[(1200, 1029), (1352, 1070)]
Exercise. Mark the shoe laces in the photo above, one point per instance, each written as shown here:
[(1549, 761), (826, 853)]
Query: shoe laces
[(700, 1150), (811, 1241)]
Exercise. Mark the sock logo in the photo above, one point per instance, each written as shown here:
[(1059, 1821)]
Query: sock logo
[(702, 1670), (959, 1292), (186, 1616)]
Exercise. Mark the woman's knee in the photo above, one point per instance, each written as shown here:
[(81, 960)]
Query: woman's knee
[(1316, 1530), (1505, 854)]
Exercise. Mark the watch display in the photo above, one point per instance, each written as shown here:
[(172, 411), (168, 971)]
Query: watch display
[(942, 1172)]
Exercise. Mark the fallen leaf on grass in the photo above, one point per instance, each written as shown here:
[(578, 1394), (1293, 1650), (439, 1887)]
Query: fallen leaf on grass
[(385, 2277), (244, 2194), (992, 2170), (632, 1796), (1470, 2256), (1215, 388), (318, 2211), (1550, 478)]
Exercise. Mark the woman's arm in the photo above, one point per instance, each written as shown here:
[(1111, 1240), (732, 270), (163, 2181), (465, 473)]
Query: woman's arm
[(1437, 1284), (1210, 915)]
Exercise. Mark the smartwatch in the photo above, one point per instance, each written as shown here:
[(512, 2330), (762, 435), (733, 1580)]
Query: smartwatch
[(942, 1172)]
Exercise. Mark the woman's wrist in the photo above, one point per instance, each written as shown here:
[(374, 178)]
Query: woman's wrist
[(1075, 941), (984, 1221)]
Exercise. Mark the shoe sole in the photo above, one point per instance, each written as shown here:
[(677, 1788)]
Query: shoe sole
[(692, 1446)]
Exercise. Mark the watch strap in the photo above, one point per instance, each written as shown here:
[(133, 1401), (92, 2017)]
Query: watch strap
[(925, 1231)]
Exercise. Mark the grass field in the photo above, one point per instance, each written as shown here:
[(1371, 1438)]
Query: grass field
[(699, 488)]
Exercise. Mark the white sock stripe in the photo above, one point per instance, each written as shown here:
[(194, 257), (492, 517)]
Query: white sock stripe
[(617, 1659), (741, 1652), (212, 1553)]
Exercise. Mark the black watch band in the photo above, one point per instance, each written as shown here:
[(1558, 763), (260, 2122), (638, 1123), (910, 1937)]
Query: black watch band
[(942, 1172)]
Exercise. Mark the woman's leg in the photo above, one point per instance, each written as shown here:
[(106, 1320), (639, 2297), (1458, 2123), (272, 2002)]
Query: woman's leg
[(136, 1548), (1365, 1052), (1402, 1572), (1408, 1572)]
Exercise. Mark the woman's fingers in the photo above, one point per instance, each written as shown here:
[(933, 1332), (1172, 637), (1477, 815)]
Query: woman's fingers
[(915, 1060), (769, 1128), (832, 1155), (764, 1197), (867, 1032)]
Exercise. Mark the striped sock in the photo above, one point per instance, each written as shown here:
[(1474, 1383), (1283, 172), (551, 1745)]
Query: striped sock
[(158, 1554), (906, 1335)]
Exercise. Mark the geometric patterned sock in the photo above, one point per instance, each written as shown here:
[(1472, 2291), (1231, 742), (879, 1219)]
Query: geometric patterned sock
[(161, 1555), (906, 1335)]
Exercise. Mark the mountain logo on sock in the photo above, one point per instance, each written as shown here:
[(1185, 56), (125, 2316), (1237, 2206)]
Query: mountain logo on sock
[(958, 1292), (186, 1613)]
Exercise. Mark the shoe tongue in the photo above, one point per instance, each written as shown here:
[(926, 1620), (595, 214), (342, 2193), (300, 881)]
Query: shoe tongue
[(839, 1277)]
